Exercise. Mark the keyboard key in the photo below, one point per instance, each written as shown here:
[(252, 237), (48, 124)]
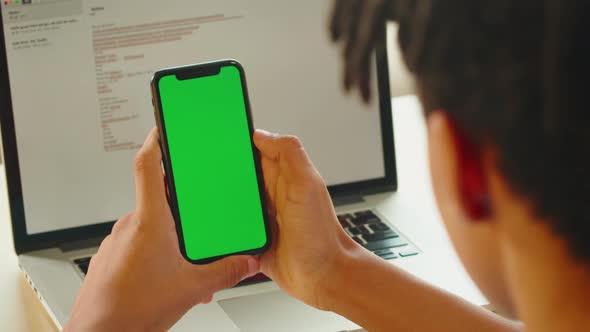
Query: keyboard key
[(388, 243), (358, 240), (82, 260), (364, 230), (356, 221), (345, 216), (83, 264), (380, 227), (84, 268), (373, 220), (379, 236), (363, 220), (354, 231), (343, 219), (383, 252), (364, 213), (389, 257), (408, 251)]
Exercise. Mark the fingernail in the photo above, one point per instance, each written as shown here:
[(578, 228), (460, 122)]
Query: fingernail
[(265, 133), (253, 266)]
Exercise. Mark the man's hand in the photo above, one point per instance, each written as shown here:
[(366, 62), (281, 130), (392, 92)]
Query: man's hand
[(308, 240), (138, 280), (359, 24)]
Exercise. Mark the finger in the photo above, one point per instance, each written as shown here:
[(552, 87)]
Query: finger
[(149, 182), (270, 172), (288, 151), (120, 224), (207, 300), (104, 245), (271, 209), (105, 242), (229, 271)]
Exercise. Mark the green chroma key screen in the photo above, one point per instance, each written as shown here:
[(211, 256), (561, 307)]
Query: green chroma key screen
[(212, 162)]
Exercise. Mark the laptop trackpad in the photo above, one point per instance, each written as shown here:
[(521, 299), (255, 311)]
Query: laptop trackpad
[(277, 311)]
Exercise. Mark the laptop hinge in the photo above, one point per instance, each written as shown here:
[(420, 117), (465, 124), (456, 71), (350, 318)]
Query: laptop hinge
[(81, 244), (347, 199)]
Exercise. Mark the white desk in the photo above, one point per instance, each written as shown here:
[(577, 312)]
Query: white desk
[(20, 310)]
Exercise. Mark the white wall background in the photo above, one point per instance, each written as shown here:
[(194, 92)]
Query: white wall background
[(401, 81)]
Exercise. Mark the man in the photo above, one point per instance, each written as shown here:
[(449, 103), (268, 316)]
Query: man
[(501, 83)]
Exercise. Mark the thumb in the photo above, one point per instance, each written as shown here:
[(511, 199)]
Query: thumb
[(228, 272), (288, 151), (149, 183)]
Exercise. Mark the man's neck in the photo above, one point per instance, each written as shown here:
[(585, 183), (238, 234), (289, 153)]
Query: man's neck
[(551, 289)]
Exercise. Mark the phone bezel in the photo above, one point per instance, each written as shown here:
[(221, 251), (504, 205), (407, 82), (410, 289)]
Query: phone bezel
[(195, 71)]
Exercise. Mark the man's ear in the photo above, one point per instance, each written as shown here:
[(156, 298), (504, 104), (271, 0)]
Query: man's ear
[(462, 184), (469, 177), (472, 180)]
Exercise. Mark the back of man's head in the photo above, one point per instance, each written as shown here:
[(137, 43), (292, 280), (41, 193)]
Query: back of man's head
[(511, 75)]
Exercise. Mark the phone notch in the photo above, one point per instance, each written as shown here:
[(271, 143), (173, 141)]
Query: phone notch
[(193, 73)]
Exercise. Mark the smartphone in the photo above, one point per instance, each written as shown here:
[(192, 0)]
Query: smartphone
[(213, 173)]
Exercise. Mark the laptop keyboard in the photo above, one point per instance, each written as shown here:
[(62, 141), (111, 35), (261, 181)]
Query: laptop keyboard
[(365, 227), (368, 230)]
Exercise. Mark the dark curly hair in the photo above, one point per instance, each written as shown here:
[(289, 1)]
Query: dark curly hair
[(513, 74)]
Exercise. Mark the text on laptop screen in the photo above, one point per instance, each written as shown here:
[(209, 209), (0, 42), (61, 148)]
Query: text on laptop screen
[(79, 76)]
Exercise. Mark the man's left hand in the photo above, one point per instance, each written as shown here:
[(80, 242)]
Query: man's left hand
[(139, 280)]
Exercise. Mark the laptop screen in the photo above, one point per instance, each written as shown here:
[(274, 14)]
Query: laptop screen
[(79, 74)]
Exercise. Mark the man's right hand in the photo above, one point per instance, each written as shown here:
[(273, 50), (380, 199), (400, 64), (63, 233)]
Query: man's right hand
[(314, 260), (308, 241)]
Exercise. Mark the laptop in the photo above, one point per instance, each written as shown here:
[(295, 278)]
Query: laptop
[(75, 107)]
